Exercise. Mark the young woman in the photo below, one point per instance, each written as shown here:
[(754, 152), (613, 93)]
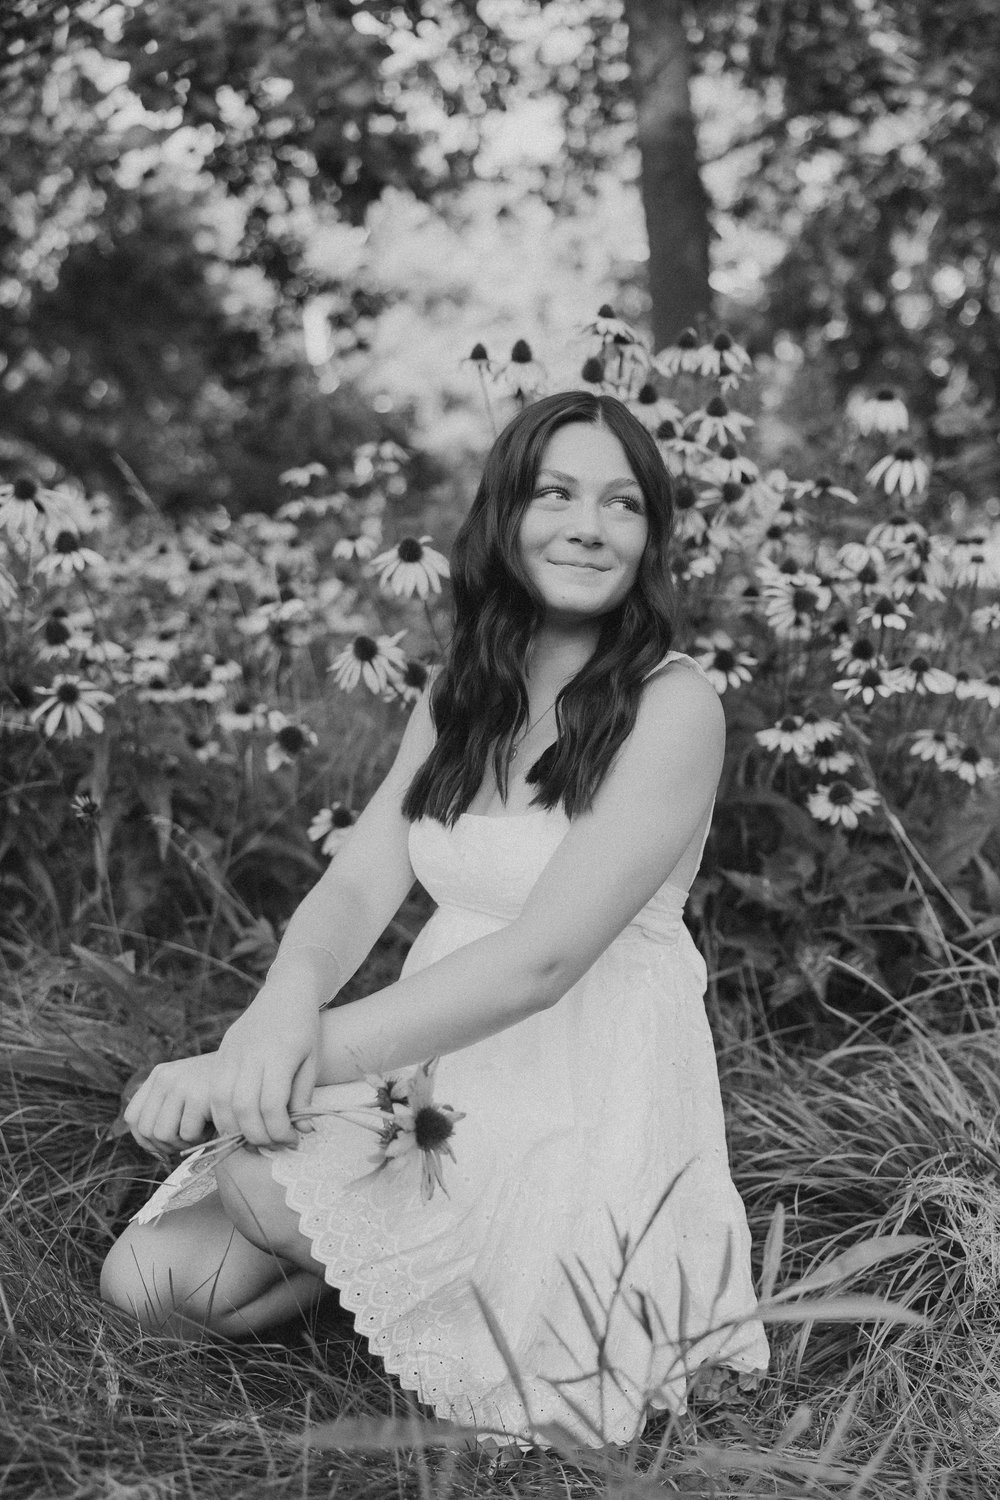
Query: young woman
[(552, 791)]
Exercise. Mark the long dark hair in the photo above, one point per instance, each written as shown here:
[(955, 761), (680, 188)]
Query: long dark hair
[(479, 700)]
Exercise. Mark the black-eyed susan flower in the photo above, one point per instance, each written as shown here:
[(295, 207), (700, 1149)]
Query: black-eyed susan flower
[(360, 545), (934, 745), (723, 360), (522, 376), (822, 489), (608, 328), (653, 409), (479, 358), (838, 802), (921, 677), (970, 764), (854, 654), (68, 555), (971, 563), (682, 358), (682, 454), (900, 472), (245, 717), (987, 689), (717, 423), (723, 662), (830, 759), (24, 509), (371, 660), (790, 736), (986, 618), (84, 807), (966, 686), (71, 704), (411, 683), (418, 1125), (332, 825), (411, 567), (291, 739), (869, 685), (794, 602), (885, 613), (730, 466), (884, 412), (898, 533)]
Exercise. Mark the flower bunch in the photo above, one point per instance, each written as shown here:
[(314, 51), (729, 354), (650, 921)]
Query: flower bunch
[(408, 1121)]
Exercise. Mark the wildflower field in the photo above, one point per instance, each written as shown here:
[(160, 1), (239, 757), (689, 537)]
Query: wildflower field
[(192, 712)]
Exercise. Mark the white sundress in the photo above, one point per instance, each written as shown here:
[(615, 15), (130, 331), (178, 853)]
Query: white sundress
[(577, 1122)]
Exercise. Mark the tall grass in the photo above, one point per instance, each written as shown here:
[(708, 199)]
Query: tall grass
[(884, 1135)]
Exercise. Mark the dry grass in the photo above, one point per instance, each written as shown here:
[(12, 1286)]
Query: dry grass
[(885, 1135)]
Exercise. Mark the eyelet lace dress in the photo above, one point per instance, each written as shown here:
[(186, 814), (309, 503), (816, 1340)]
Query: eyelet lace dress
[(590, 1207)]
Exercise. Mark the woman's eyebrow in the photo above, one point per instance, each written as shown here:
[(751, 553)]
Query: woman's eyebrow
[(611, 484)]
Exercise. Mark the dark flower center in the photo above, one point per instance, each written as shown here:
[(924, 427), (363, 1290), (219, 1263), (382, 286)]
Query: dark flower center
[(729, 451), (920, 665), (905, 454), (415, 675), (970, 755), (804, 601), (605, 310), (68, 692), (717, 407), (883, 605), (364, 648), (521, 353), (647, 395), (685, 496), (291, 739), (66, 542), (666, 431), (824, 482), (341, 817), (731, 492), (242, 706), (724, 659), (409, 550), (789, 724), (722, 342), (688, 339), (25, 489), (871, 677), (431, 1128), (840, 792), (56, 632), (869, 573), (863, 649), (479, 355), (824, 748), (592, 371), (885, 394)]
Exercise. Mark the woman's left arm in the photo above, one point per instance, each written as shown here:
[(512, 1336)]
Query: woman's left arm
[(610, 863)]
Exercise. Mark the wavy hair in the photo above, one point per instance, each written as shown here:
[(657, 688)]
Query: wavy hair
[(479, 699)]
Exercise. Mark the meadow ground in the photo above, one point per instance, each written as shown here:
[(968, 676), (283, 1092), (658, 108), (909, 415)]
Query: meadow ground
[(888, 1134)]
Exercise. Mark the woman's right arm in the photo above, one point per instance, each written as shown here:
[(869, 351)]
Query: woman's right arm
[(266, 1064)]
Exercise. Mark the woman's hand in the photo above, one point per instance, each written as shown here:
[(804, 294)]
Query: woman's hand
[(266, 1068), (171, 1108)]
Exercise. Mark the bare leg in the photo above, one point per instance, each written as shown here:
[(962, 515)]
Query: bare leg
[(193, 1273)]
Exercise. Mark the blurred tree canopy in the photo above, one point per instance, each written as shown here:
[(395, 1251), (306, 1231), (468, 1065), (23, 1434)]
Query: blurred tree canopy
[(167, 164)]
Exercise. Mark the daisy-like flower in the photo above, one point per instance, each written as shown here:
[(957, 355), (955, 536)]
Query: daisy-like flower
[(791, 736), (374, 661), (418, 1125), (313, 507), (988, 689), (971, 564), (59, 638), (522, 376), (885, 412), (72, 704), (937, 745), (682, 455), (970, 764), (918, 676), (332, 825), (716, 423), (856, 558), (869, 685), (829, 759), (290, 740), (84, 807), (966, 686), (243, 718), (411, 567), (900, 472), (608, 328), (729, 466), (898, 533), (724, 360), (723, 662), (855, 655), (653, 409), (794, 602), (838, 802), (68, 555), (682, 358), (361, 545), (480, 359), (985, 618), (408, 687), (885, 612), (302, 478), (24, 513), (822, 488)]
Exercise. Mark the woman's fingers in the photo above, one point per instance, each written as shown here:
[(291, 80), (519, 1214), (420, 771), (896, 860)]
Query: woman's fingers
[(303, 1086)]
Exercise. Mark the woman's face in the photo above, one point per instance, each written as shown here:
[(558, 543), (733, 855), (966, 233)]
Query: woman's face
[(585, 527)]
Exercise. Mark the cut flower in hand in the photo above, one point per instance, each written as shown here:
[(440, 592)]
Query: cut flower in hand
[(404, 1116)]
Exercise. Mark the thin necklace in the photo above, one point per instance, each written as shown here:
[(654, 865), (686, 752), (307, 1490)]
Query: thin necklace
[(533, 725)]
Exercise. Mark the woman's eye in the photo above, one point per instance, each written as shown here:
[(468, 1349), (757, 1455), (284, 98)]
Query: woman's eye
[(550, 489), (630, 502)]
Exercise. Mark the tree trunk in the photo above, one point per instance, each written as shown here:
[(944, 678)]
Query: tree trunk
[(673, 196)]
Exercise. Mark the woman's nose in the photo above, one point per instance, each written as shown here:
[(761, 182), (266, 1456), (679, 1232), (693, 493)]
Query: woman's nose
[(585, 524)]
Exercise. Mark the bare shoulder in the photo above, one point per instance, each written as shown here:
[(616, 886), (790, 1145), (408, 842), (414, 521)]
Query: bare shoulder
[(677, 698)]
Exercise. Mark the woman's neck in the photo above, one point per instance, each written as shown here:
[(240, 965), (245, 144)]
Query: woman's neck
[(556, 655)]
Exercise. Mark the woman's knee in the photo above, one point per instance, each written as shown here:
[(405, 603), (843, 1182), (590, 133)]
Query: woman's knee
[(255, 1205)]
